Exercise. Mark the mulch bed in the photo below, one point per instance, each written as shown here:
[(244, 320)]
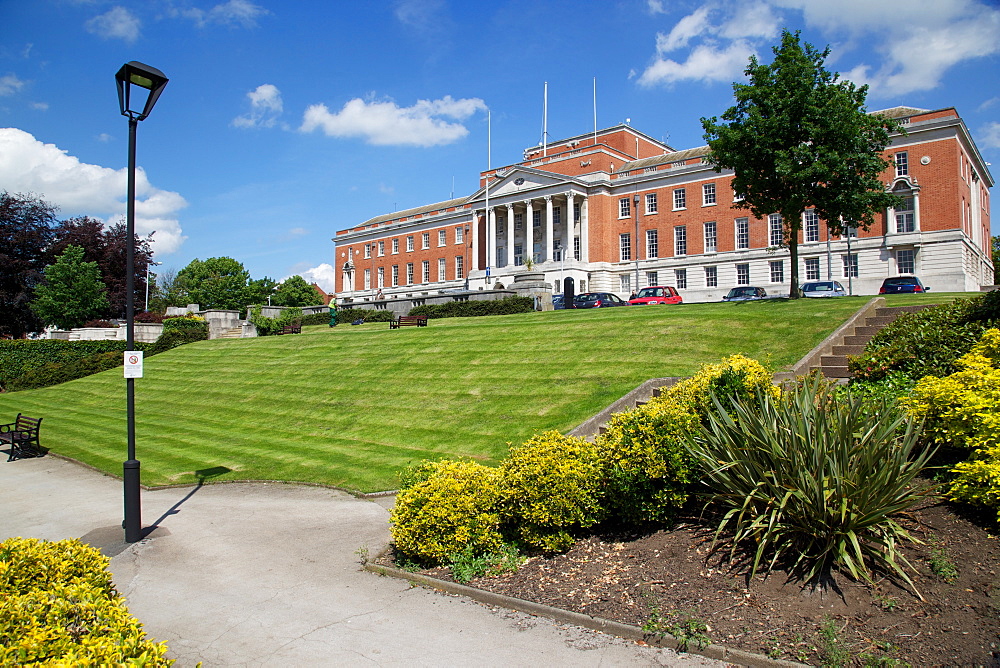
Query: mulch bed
[(674, 575)]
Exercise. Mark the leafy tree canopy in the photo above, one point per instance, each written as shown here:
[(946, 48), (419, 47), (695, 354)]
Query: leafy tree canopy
[(294, 291), (72, 292), (215, 283), (26, 231), (799, 138)]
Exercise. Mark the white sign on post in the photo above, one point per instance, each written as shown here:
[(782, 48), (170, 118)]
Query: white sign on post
[(133, 364)]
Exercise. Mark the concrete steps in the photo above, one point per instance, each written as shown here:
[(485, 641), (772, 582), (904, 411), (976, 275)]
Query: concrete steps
[(233, 333)]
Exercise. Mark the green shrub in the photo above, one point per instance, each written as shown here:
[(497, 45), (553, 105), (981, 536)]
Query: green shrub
[(55, 373), (268, 326), (551, 486), (22, 357), (322, 318), (177, 331), (928, 342), (347, 316), (469, 564), (193, 324), (474, 308), (813, 480), (456, 508), (648, 467), (963, 410), (58, 607)]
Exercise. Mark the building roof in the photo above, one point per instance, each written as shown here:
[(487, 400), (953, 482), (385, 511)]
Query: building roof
[(900, 112), (406, 213), (666, 158)]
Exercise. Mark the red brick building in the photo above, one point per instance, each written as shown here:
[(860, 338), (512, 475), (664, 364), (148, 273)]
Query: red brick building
[(618, 210)]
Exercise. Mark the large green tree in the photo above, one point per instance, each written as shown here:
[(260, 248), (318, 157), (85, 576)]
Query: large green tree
[(26, 231), (799, 138), (72, 292), (294, 291), (215, 283)]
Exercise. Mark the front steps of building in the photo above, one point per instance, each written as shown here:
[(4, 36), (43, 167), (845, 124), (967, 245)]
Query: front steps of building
[(232, 333)]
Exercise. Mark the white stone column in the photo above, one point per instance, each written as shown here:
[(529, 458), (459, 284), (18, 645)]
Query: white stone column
[(510, 236), (529, 229), (548, 228), (474, 227), (491, 237), (570, 227), (585, 230)]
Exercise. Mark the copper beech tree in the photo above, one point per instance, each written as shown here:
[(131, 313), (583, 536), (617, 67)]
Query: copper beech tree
[(799, 138)]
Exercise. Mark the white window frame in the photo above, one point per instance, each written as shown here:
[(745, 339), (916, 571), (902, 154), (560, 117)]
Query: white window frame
[(777, 270), (812, 268), (743, 274), (850, 265), (459, 267), (381, 277), (442, 269), (708, 194), (442, 238), (902, 163), (625, 207), (652, 278), (711, 231), (624, 247), (425, 271), (909, 266), (775, 230), (368, 251), (652, 244), (459, 234), (409, 244), (368, 279), (680, 240), (711, 277), (742, 233), (425, 241), (381, 249), (625, 283), (395, 246), (651, 204), (680, 199), (395, 275), (409, 273), (810, 226), (906, 216), (681, 279)]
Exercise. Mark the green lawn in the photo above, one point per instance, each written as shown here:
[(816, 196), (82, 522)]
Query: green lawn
[(349, 406)]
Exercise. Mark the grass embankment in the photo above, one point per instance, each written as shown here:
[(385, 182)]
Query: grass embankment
[(350, 406)]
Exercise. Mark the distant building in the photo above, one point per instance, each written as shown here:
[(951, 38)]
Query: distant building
[(618, 210), (325, 296)]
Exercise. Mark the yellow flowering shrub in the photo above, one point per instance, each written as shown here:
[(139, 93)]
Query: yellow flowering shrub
[(59, 608), (449, 511), (963, 410), (551, 485)]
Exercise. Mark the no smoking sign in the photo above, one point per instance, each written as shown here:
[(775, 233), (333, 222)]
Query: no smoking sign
[(133, 364)]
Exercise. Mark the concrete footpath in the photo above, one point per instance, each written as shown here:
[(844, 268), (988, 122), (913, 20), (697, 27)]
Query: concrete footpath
[(268, 575)]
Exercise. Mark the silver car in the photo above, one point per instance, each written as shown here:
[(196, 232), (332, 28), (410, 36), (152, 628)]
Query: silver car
[(823, 289)]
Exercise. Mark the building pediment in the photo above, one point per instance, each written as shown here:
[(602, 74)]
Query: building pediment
[(524, 181)]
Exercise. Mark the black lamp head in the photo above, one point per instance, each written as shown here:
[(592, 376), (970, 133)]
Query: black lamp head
[(136, 74)]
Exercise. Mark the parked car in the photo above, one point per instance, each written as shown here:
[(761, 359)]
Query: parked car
[(656, 294), (897, 284), (597, 300), (745, 293), (823, 289), (558, 302)]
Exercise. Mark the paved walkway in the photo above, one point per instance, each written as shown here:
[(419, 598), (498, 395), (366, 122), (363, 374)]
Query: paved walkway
[(267, 575)]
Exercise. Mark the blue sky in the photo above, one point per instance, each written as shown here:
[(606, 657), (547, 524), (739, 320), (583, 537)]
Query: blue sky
[(284, 122)]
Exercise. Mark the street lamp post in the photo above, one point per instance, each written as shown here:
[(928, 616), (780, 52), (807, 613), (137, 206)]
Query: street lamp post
[(133, 74), (148, 265), (635, 250)]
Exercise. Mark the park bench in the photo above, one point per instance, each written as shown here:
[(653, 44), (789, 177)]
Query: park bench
[(22, 436), (294, 328), (408, 321)]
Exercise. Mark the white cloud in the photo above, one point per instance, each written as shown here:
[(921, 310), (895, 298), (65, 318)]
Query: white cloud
[(117, 23), (656, 7), (324, 275), (721, 47), (297, 232), (10, 84), (265, 107), (989, 136), (78, 188), (233, 13), (384, 123), (40, 106)]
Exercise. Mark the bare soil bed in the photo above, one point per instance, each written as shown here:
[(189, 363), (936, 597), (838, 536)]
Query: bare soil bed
[(674, 577)]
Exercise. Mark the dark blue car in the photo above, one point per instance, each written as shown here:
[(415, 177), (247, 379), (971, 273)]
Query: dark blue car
[(898, 284)]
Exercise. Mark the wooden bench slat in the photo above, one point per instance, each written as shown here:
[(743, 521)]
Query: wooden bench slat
[(409, 321)]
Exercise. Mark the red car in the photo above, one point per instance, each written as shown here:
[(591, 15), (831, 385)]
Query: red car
[(656, 294)]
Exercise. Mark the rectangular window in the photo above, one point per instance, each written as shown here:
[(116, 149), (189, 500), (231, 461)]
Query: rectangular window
[(743, 274), (652, 244), (851, 265), (442, 237), (651, 206), (557, 215), (536, 219), (902, 164), (680, 240), (742, 233), (624, 207), (425, 271), (395, 246), (381, 248), (711, 238), (775, 234), (409, 244), (625, 283), (442, 269), (708, 194), (777, 271), (459, 267), (395, 275), (905, 222), (624, 247), (681, 278), (711, 277), (576, 248), (518, 255), (812, 268), (368, 279), (368, 251), (652, 278), (680, 198), (381, 277), (518, 221), (409, 273), (905, 261), (459, 236), (425, 240), (501, 254), (811, 226), (737, 197), (576, 213)]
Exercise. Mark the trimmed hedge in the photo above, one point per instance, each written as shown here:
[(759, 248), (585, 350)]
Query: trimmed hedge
[(268, 326), (24, 357), (59, 607), (348, 315), (471, 308)]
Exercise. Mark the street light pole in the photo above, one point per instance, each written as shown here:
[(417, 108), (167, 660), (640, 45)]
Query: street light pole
[(153, 80), (635, 202)]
